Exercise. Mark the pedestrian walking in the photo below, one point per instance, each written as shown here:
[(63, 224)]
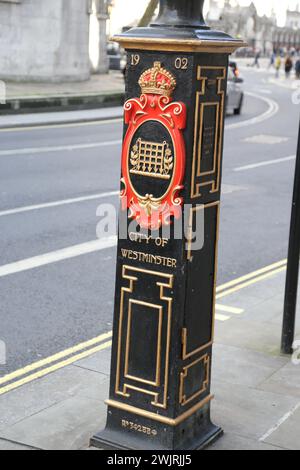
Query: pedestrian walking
[(272, 60), (256, 60), (288, 66), (297, 68), (278, 65)]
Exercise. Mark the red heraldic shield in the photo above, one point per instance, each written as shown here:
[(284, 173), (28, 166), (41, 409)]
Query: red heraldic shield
[(153, 158)]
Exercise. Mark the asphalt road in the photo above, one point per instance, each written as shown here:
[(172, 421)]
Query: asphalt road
[(46, 309)]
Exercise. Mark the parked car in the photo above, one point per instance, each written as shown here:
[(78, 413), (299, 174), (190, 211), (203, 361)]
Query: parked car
[(235, 93), (114, 56)]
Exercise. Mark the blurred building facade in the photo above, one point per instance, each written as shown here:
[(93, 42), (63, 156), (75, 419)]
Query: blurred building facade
[(44, 40), (261, 32), (293, 18)]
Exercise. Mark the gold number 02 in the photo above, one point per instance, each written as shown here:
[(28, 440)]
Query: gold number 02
[(181, 63), (135, 59)]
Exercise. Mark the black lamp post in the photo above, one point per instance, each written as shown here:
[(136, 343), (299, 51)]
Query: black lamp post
[(292, 278), (160, 394), (181, 14)]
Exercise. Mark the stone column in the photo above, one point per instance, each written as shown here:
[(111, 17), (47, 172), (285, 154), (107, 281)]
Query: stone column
[(102, 16), (100, 10)]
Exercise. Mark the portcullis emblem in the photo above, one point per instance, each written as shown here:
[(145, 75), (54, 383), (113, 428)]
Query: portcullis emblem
[(153, 158)]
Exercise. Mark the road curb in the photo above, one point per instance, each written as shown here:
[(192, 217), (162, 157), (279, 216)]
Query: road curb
[(61, 103), (59, 122)]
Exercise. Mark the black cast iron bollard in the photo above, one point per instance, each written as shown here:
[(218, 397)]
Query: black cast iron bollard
[(290, 303), (165, 292)]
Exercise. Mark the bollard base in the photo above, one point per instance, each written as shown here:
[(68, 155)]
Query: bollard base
[(109, 440), (196, 433)]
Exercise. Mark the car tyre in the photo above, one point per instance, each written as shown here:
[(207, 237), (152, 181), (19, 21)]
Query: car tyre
[(238, 111)]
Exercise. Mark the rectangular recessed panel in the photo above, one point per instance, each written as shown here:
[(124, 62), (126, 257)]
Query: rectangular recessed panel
[(208, 140), (199, 315), (144, 342), (195, 379)]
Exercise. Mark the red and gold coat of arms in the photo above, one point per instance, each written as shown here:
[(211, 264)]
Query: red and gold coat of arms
[(153, 158)]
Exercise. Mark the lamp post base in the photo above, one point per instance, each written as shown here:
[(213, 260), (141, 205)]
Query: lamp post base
[(108, 440), (195, 433)]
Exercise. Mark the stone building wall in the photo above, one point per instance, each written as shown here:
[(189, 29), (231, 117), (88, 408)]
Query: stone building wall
[(44, 40)]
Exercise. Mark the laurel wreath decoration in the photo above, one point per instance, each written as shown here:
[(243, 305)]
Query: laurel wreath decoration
[(135, 158), (168, 162)]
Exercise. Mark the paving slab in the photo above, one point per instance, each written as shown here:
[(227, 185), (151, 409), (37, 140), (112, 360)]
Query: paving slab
[(261, 337), (285, 381), (96, 84), (13, 446), (99, 362), (37, 396), (248, 412), (67, 425), (234, 442), (270, 310), (269, 288), (288, 434), (244, 367)]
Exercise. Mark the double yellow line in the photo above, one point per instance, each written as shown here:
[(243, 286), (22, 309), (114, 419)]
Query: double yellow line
[(250, 279), (57, 361), (65, 358)]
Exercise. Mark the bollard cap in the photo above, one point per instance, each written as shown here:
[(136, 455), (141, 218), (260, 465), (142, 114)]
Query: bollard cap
[(180, 26)]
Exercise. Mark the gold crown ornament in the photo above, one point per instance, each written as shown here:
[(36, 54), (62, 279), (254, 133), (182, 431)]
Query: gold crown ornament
[(157, 81)]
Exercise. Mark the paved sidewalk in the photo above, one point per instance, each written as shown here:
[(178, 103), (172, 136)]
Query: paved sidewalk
[(99, 91), (257, 390)]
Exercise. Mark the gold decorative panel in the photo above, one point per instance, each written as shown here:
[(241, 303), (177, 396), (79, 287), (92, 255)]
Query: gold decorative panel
[(198, 368), (152, 309), (208, 131)]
